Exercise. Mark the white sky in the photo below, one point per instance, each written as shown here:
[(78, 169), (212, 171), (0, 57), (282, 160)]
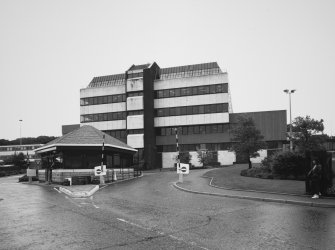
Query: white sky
[(49, 50)]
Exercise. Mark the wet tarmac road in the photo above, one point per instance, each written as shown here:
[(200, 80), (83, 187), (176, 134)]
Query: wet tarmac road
[(148, 213)]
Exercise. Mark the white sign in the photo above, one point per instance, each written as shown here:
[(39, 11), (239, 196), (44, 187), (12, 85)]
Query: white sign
[(98, 171), (31, 172), (183, 168)]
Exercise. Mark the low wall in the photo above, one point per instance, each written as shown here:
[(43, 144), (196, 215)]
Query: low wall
[(59, 175)]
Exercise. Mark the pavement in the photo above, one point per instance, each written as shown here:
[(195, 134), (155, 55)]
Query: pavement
[(201, 182)]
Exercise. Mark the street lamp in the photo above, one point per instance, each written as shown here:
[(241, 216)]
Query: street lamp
[(20, 132), (289, 92)]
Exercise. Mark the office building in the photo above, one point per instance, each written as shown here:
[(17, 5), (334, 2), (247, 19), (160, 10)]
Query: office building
[(144, 106)]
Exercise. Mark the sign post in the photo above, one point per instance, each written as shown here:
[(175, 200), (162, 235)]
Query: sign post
[(182, 169), (102, 179)]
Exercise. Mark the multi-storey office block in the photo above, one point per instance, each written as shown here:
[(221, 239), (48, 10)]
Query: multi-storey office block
[(146, 105)]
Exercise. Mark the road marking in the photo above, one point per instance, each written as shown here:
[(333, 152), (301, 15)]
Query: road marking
[(161, 233), (57, 190), (133, 224), (69, 199)]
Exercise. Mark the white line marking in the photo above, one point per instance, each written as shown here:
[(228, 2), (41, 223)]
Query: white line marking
[(69, 199), (57, 190), (133, 224), (161, 233), (95, 206)]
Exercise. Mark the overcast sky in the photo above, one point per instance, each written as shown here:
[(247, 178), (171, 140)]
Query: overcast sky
[(49, 50)]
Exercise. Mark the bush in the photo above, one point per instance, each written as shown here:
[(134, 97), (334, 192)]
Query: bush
[(287, 164), (214, 164)]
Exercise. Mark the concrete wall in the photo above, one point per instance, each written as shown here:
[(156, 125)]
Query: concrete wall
[(135, 122), (59, 175), (262, 155), (135, 140), (191, 100), (191, 119), (190, 81), (226, 158)]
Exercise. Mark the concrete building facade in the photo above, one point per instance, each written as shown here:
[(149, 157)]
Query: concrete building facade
[(144, 106)]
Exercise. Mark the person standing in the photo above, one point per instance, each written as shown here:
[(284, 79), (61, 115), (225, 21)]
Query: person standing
[(315, 175)]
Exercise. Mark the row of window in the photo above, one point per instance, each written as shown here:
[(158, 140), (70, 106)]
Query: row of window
[(123, 133), (166, 93), (102, 99), (195, 129), (112, 116), (138, 93), (120, 134), (18, 148), (192, 110), (135, 112), (197, 90), (202, 72), (194, 147)]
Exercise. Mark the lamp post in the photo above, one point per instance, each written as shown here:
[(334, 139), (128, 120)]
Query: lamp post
[(289, 92), (20, 132)]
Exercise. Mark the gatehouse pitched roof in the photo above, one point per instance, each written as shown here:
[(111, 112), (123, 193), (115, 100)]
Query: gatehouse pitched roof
[(85, 136)]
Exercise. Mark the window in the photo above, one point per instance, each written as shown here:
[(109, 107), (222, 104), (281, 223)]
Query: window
[(168, 131), (160, 112), (95, 100), (171, 92), (189, 110), (214, 129), (201, 90), (119, 98), (206, 89), (220, 128), (208, 129), (114, 98), (160, 93), (165, 93), (213, 108), (123, 97), (166, 112), (110, 99), (183, 91), (105, 116), (194, 90), (212, 89), (188, 91), (183, 111), (172, 111), (177, 92), (202, 129), (195, 110), (219, 108), (207, 109), (95, 117), (115, 116), (201, 109), (184, 131), (219, 88), (163, 131), (190, 130), (178, 110)]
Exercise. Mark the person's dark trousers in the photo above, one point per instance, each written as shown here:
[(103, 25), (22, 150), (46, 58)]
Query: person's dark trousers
[(315, 186)]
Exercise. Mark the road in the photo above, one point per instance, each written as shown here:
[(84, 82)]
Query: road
[(149, 213)]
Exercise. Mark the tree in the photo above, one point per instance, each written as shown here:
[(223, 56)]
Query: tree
[(18, 160), (308, 133), (184, 157), (205, 156), (247, 139)]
